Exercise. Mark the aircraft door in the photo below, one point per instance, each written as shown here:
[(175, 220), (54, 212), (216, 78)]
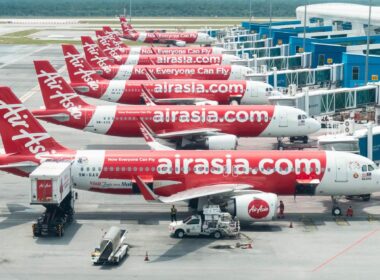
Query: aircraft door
[(283, 122), (341, 170), (254, 92)]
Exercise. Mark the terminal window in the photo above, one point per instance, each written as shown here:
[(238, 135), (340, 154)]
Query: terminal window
[(355, 73), (321, 59)]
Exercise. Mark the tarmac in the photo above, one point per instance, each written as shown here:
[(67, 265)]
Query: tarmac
[(318, 246)]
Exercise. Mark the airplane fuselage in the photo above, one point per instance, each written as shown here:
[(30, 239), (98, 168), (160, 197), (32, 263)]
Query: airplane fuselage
[(333, 173), (242, 121)]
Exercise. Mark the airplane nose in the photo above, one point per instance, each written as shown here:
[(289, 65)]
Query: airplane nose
[(314, 125)]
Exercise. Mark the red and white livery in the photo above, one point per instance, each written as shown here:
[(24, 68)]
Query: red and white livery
[(109, 41), (234, 177), (179, 39), (87, 82), (100, 62), (209, 127), (89, 47)]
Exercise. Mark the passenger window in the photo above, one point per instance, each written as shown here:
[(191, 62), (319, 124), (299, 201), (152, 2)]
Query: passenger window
[(364, 168)]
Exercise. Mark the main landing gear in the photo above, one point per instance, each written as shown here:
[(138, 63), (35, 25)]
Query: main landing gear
[(336, 210), (280, 145)]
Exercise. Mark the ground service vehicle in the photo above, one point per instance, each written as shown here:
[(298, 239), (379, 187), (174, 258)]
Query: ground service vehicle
[(213, 222), (113, 247), (51, 186)]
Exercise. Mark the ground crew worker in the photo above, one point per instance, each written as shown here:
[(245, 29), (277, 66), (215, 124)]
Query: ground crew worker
[(350, 212), (173, 213), (282, 209)]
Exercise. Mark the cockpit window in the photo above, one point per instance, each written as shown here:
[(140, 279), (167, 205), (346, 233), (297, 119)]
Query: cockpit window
[(304, 117), (364, 168), (269, 89), (299, 117), (370, 168)]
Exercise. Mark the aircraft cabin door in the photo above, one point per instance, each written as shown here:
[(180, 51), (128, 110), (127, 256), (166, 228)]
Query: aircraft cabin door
[(283, 122), (254, 92), (341, 174)]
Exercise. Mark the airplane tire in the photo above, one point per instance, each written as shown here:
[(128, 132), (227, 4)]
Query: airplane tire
[(336, 211)]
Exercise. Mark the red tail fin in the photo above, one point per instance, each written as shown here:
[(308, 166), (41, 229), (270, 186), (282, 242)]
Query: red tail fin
[(56, 92), (79, 69), (108, 47), (20, 131), (95, 56), (126, 27)]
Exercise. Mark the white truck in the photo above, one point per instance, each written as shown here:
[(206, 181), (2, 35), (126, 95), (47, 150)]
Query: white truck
[(113, 247), (51, 187), (213, 222)]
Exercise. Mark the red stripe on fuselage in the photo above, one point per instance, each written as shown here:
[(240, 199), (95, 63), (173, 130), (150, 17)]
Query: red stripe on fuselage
[(207, 72), (125, 165), (242, 121)]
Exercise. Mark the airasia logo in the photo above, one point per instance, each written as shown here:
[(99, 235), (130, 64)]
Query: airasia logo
[(17, 117), (258, 208), (76, 61), (56, 90)]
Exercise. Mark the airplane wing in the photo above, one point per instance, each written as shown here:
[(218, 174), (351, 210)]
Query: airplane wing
[(227, 189), (149, 138), (176, 133), (188, 132)]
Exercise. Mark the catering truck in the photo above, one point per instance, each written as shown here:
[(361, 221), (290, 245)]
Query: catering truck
[(113, 247), (51, 187), (212, 222)]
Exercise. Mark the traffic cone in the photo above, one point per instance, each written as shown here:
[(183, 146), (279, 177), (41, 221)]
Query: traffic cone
[(291, 224), (146, 257)]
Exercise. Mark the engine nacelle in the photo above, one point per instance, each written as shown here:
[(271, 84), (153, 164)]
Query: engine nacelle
[(253, 207), (179, 43), (206, 102), (215, 142), (221, 142)]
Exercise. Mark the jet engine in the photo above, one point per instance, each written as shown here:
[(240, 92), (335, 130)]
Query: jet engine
[(179, 43), (221, 142), (253, 207)]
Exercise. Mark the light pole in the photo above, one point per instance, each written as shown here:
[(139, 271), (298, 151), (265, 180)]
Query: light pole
[(270, 18), (368, 41), (130, 10), (250, 12), (304, 26)]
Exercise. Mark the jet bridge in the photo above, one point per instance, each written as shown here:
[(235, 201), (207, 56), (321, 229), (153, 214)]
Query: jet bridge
[(301, 60), (323, 76), (232, 45), (330, 101), (280, 50)]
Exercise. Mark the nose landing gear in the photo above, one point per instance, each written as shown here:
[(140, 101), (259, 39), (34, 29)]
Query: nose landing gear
[(336, 210)]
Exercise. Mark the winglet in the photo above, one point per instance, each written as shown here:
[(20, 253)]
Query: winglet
[(147, 96), (152, 61), (149, 75), (149, 138), (147, 193)]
